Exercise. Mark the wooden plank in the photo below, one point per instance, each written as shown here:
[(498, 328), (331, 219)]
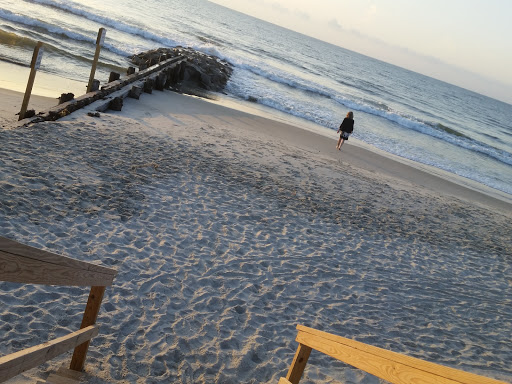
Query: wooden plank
[(90, 315), (282, 380), (390, 366), (298, 364), (16, 248), (18, 362), (18, 269)]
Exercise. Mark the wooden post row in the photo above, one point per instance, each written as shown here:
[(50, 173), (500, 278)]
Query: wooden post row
[(99, 42), (34, 66)]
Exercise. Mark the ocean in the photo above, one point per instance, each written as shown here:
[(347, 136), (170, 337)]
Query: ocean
[(396, 110)]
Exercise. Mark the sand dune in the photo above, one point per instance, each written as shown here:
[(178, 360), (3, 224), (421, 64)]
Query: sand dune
[(228, 229)]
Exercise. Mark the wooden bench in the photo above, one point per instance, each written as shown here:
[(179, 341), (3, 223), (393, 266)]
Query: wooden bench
[(23, 264), (390, 366)]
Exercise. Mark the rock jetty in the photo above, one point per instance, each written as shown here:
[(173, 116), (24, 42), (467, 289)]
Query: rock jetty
[(199, 70)]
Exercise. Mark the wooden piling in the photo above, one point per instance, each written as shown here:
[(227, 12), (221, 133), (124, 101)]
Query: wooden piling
[(34, 66), (99, 43)]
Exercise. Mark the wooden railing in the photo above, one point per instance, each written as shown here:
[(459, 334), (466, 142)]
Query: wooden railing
[(23, 264), (390, 366)]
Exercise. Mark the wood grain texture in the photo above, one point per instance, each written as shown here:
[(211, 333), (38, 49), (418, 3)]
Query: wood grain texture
[(91, 312), (18, 362), (20, 269), (16, 248), (390, 366), (298, 364)]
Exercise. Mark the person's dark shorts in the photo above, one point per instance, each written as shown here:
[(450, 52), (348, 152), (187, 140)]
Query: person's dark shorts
[(345, 135)]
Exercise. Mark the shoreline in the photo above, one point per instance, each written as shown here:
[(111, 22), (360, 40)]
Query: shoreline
[(45, 84), (359, 153), (370, 158)]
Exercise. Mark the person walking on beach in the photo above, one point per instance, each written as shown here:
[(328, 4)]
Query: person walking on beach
[(346, 128)]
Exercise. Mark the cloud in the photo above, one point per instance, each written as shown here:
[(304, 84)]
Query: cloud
[(302, 15), (278, 7), (333, 23)]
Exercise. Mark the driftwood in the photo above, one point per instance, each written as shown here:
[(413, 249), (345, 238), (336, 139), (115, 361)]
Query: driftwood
[(170, 66)]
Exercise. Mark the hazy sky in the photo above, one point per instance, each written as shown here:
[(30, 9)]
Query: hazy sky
[(463, 42)]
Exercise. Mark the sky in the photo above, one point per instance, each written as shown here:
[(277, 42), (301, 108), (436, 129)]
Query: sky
[(463, 42)]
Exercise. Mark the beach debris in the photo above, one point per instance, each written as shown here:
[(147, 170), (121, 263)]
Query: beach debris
[(114, 76), (148, 85), (29, 113), (64, 97), (168, 73), (116, 104), (135, 92), (199, 69), (95, 85), (93, 114)]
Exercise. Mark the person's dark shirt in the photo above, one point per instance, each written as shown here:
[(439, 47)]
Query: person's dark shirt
[(347, 125)]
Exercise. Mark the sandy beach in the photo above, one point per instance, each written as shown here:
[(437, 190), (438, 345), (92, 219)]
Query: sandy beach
[(228, 229)]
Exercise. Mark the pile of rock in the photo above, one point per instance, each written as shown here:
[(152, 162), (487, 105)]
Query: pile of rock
[(198, 70)]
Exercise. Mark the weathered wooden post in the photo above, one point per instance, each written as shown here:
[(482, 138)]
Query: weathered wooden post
[(34, 66), (90, 315), (99, 42)]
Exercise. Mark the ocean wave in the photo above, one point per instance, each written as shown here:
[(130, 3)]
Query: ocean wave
[(55, 30), (436, 130), (448, 130), (108, 22), (381, 110), (11, 38), (208, 46), (283, 79)]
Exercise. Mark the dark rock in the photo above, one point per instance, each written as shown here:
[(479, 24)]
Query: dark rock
[(160, 81), (116, 104), (135, 92), (64, 97), (148, 86), (95, 85), (130, 71), (113, 76), (29, 113)]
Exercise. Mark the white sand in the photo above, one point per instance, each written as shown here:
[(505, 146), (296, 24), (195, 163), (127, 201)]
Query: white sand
[(228, 229)]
